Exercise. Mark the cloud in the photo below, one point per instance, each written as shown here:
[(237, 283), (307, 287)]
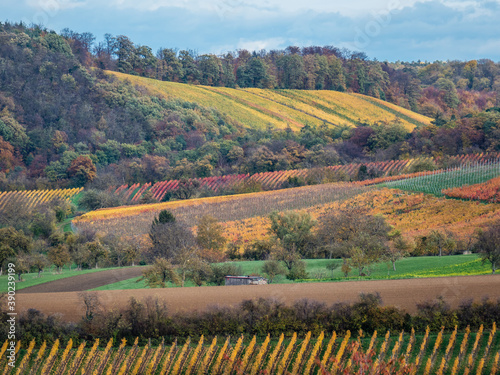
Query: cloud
[(384, 29)]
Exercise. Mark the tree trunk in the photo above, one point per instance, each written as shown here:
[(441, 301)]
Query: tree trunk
[(394, 265)]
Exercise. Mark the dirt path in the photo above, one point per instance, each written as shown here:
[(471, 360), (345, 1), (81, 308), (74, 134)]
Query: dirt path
[(85, 282), (404, 294)]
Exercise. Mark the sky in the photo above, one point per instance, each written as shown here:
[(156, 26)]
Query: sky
[(386, 30)]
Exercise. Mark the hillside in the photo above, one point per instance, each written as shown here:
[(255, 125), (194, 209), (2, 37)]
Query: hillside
[(65, 122), (261, 108)]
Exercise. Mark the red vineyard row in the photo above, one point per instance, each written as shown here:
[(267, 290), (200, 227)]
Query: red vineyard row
[(488, 191), (387, 170)]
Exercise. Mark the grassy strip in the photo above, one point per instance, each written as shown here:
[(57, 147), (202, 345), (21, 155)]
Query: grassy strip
[(428, 266)]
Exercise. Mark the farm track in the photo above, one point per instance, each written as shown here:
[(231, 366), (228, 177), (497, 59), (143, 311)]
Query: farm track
[(404, 294), (84, 282)]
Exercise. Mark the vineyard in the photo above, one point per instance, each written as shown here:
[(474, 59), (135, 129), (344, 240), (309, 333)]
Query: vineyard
[(404, 353), (34, 198), (412, 214), (245, 216), (259, 108), (479, 166), (136, 220), (475, 172), (488, 191)]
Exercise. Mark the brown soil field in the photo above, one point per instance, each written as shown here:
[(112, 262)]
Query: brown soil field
[(86, 281), (404, 294)]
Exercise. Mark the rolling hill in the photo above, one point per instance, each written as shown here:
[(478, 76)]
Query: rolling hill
[(260, 108)]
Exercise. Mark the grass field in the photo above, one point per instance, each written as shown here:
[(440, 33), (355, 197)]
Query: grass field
[(451, 265)]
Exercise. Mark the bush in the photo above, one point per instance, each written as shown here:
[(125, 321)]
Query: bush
[(220, 271), (298, 271), (95, 199)]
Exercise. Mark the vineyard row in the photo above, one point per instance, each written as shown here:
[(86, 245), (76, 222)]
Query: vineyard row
[(387, 171), (457, 353), (33, 198)]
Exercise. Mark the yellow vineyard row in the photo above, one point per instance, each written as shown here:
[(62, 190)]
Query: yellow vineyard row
[(405, 353), (33, 198), (260, 108)]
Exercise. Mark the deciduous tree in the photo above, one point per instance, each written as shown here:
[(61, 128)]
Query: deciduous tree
[(488, 245), (160, 273), (210, 234), (293, 229), (59, 256), (82, 170), (273, 268)]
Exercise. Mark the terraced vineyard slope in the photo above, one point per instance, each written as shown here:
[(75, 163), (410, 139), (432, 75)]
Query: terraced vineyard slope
[(260, 108)]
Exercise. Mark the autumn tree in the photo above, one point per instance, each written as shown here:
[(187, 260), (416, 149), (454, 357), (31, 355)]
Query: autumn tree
[(187, 261), (59, 256), (398, 248), (289, 257), (351, 233), (13, 243), (7, 156), (293, 229), (298, 271), (488, 245), (96, 252), (82, 170), (436, 243), (360, 259), (199, 271), (186, 189), (39, 261), (23, 265), (161, 272), (341, 230), (210, 236)]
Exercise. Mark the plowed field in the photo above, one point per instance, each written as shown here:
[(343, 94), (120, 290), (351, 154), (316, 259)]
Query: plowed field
[(404, 294), (85, 281)]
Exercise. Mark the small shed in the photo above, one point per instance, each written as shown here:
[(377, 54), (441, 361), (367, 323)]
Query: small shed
[(245, 280)]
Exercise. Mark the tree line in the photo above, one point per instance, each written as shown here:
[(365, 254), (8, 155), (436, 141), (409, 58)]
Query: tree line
[(421, 86)]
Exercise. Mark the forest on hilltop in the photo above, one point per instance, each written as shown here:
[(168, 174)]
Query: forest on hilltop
[(64, 122)]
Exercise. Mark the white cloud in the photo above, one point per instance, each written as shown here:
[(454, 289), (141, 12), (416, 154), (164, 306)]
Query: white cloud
[(257, 45), (56, 5)]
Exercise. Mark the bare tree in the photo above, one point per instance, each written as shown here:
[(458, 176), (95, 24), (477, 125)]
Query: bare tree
[(169, 239), (91, 303)]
